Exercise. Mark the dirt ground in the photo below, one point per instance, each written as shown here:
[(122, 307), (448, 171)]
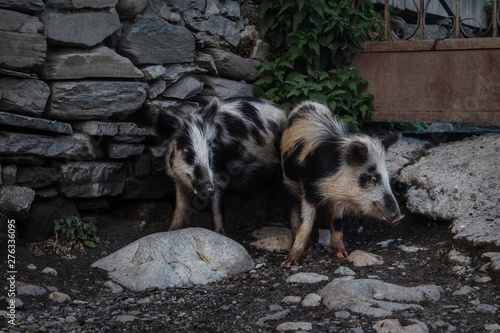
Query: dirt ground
[(239, 302)]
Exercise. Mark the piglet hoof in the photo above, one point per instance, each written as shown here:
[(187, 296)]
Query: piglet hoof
[(342, 254), (289, 263), (292, 260)]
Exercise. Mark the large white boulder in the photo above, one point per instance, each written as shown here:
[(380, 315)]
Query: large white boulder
[(182, 257)]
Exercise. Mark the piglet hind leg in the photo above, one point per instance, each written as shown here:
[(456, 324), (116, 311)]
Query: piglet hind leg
[(294, 219), (303, 233), (337, 237)]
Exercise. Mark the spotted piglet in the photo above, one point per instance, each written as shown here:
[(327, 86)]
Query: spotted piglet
[(228, 146), (324, 166)]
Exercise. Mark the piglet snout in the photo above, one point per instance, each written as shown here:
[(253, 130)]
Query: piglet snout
[(206, 190), (398, 219)]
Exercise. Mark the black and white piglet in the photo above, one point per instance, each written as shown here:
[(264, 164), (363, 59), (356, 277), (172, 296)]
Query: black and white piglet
[(324, 166), (229, 145)]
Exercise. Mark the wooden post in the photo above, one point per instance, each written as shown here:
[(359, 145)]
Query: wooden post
[(421, 20), (386, 20), (494, 18)]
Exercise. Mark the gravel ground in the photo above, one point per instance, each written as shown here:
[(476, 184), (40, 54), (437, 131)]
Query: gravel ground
[(254, 301)]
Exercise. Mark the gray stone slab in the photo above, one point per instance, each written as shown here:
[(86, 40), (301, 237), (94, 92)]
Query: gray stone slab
[(206, 61), (153, 72), (124, 150), (131, 129), (31, 6), (86, 100), (23, 45), (219, 26), (232, 66), (82, 29), (128, 9), (79, 4), (155, 41), (92, 179), (174, 72), (185, 88), (76, 146), (224, 88), (459, 182), (156, 88), (23, 96), (98, 62), (93, 127), (35, 123)]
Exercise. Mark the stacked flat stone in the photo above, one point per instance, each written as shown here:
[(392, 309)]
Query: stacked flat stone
[(80, 81)]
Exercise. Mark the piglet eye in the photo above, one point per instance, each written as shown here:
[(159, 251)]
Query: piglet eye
[(375, 180)]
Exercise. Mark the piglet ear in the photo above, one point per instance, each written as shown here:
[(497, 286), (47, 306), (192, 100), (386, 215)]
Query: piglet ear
[(390, 140), (208, 112), (167, 123), (356, 153)]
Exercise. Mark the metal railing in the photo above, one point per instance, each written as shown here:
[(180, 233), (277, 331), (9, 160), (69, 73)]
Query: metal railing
[(453, 26)]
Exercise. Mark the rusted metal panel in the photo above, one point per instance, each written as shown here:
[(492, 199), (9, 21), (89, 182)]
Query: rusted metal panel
[(432, 45), (452, 82)]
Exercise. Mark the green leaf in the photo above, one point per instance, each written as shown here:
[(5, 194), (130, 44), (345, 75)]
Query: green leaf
[(90, 244), (298, 18), (354, 87), (314, 45), (287, 5), (264, 80), (364, 109)]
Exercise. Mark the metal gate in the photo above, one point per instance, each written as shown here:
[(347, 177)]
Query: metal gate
[(440, 69)]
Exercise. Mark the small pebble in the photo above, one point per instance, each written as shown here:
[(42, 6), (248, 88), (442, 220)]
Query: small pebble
[(486, 308), (342, 314), (311, 300), (125, 318), (114, 287), (59, 297), (49, 270), (294, 326), (292, 299), (307, 278)]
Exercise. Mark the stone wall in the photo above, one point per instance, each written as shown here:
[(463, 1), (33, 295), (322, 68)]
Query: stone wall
[(80, 81)]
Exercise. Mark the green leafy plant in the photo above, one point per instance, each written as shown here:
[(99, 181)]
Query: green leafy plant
[(75, 232), (312, 44)]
